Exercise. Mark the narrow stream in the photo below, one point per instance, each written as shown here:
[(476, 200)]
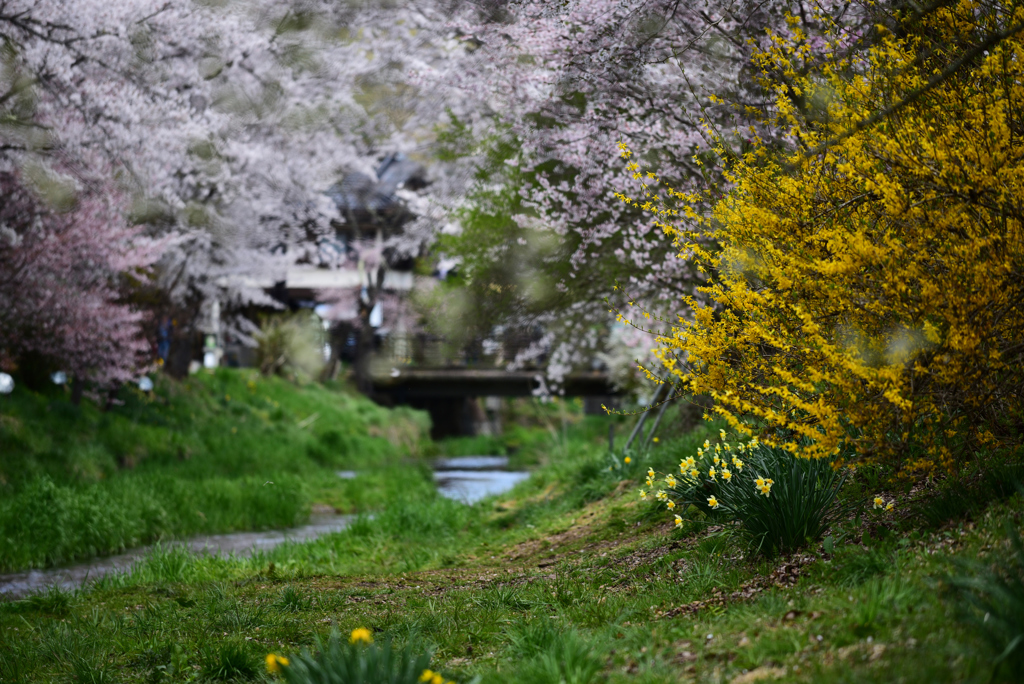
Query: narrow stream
[(467, 479), (471, 478)]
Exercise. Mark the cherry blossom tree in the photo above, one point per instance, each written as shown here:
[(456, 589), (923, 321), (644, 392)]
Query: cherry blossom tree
[(222, 123), (61, 283), (561, 85)]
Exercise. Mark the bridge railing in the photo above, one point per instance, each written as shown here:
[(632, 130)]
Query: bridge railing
[(426, 351)]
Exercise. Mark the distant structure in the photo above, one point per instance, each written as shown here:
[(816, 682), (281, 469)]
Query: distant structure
[(371, 205), (395, 366)]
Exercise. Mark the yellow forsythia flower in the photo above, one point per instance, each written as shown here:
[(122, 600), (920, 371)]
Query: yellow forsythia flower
[(360, 635)]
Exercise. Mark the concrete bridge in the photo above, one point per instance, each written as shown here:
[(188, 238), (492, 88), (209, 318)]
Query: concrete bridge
[(452, 395)]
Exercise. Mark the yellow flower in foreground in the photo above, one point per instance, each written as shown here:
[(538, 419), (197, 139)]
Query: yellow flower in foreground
[(759, 482), (650, 473), (360, 635), (713, 502), (738, 463), (879, 502), (671, 504), (679, 521), (707, 444), (670, 481), (431, 677), (726, 474), (655, 440), (662, 495), (712, 472), (275, 662), (643, 495), (889, 506), (766, 490), (627, 460), (694, 473)]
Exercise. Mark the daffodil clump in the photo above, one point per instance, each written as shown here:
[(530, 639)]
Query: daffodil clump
[(780, 499), (703, 478), (357, 659)]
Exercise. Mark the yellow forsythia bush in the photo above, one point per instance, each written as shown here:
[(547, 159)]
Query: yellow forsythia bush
[(867, 289)]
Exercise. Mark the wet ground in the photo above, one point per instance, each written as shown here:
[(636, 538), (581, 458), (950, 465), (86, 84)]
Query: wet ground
[(465, 478)]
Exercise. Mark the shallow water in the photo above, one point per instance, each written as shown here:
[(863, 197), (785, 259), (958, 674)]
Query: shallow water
[(20, 584), (471, 478), (464, 478)]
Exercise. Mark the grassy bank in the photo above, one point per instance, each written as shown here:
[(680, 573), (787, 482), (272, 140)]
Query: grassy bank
[(225, 451), (570, 578)]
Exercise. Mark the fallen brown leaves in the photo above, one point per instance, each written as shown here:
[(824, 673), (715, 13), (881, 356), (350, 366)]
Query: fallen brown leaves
[(786, 574)]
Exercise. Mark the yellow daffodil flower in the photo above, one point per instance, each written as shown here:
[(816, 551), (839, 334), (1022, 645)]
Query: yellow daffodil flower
[(671, 504), (662, 495), (713, 502), (670, 481), (879, 502), (889, 506), (694, 473), (275, 663), (712, 472), (726, 474), (679, 521), (643, 495), (360, 635)]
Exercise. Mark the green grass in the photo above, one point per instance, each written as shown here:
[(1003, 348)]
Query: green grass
[(568, 578), (219, 452)]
